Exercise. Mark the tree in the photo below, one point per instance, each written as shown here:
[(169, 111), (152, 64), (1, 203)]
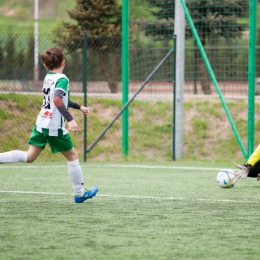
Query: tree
[(101, 19), (1, 61), (212, 19), (29, 61), (9, 59)]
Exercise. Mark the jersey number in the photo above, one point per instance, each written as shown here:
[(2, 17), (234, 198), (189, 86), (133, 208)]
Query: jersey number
[(47, 99)]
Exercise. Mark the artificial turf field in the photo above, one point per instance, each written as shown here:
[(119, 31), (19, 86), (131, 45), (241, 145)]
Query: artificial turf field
[(142, 211)]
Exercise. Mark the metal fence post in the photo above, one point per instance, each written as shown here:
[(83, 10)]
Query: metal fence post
[(251, 78), (125, 75), (84, 82)]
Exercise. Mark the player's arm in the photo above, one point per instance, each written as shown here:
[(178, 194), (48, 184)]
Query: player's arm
[(84, 110), (58, 94), (254, 157), (60, 91), (246, 168), (58, 102)]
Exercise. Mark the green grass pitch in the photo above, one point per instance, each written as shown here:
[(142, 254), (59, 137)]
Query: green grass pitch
[(142, 211)]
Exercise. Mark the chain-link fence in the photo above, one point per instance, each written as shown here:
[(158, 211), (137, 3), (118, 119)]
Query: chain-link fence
[(223, 29)]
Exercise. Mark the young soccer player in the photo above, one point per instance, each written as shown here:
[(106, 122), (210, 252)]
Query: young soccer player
[(50, 124), (252, 167)]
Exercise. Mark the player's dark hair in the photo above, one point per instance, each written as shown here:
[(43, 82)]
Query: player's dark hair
[(53, 57)]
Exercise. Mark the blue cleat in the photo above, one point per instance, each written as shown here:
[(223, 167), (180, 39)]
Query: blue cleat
[(87, 195)]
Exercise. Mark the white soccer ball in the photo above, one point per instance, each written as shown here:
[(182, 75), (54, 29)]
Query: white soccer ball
[(226, 178)]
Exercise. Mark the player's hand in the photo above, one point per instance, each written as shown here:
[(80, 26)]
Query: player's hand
[(84, 110), (243, 170), (73, 126)]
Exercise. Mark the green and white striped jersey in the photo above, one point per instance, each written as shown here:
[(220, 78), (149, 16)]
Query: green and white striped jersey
[(50, 121)]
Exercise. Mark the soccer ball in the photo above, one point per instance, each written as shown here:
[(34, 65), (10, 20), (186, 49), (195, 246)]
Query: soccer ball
[(226, 178)]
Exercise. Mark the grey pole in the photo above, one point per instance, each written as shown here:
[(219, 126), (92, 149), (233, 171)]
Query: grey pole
[(179, 31), (36, 45)]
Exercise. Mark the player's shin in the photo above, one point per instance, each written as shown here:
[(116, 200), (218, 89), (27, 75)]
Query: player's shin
[(13, 157), (76, 177)]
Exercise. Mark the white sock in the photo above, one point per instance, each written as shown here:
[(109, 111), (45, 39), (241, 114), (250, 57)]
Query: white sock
[(76, 177), (13, 157)]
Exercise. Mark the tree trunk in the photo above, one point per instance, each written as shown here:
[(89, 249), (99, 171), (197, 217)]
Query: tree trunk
[(111, 79), (113, 86), (205, 79)]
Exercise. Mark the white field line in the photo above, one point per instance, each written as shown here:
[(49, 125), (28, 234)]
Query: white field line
[(31, 166), (163, 167), (123, 196), (128, 196), (115, 166)]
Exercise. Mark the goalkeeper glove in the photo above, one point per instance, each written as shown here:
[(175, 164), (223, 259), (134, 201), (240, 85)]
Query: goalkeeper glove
[(243, 170)]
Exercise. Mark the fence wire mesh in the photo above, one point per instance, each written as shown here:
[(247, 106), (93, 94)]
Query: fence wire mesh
[(223, 30)]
